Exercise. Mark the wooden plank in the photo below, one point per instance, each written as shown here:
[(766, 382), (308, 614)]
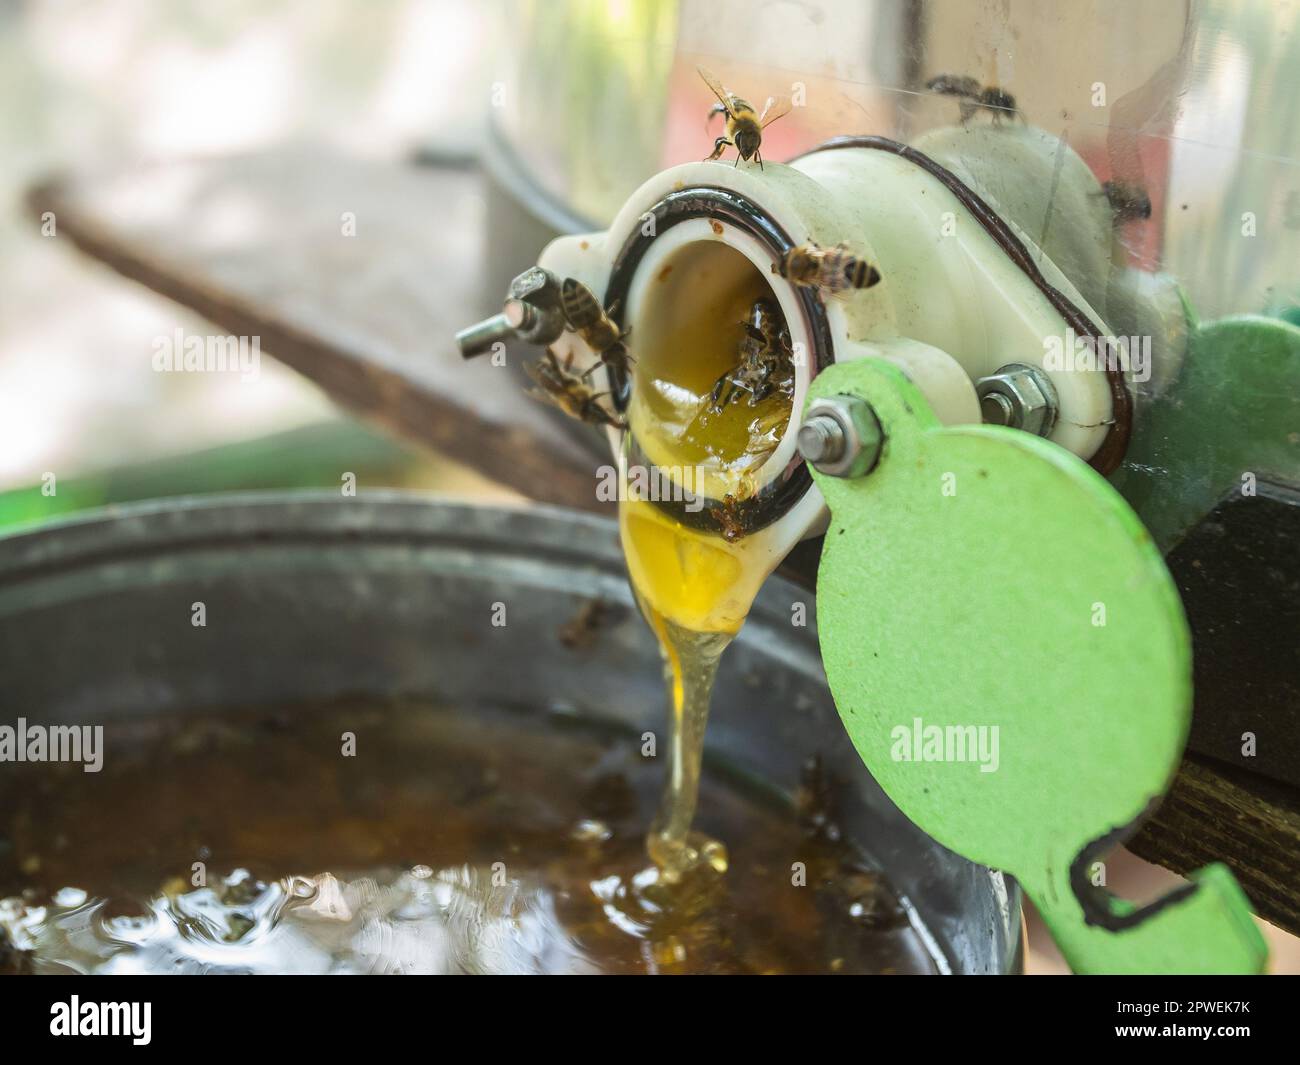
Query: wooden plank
[(1215, 813), (256, 245)]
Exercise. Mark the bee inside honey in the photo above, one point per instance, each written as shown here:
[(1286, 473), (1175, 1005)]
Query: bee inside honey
[(766, 359)]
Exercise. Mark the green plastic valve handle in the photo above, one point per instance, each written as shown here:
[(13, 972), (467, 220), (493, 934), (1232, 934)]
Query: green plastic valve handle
[(1010, 657)]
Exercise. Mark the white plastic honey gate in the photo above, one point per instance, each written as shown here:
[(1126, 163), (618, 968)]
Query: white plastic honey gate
[(958, 298)]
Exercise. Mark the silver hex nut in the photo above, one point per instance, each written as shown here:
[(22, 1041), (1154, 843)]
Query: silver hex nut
[(841, 436), (1019, 396)]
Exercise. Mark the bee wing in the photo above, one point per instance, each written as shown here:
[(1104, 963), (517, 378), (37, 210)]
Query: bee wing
[(775, 108), (711, 80), (954, 85)]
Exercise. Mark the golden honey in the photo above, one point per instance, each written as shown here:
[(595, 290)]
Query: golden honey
[(694, 586)]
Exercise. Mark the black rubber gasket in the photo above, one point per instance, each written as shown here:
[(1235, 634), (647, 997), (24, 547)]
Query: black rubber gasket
[(1111, 453), (719, 205)]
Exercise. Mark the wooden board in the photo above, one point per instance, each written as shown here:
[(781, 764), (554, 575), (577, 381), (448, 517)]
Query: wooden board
[(256, 245), (1217, 813)]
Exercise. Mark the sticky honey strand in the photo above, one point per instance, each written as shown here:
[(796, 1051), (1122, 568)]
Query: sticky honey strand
[(695, 588)]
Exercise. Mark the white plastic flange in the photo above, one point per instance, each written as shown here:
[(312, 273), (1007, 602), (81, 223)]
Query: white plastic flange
[(951, 306)]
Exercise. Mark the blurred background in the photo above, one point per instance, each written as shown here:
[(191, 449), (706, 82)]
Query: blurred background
[(91, 87), (552, 113)]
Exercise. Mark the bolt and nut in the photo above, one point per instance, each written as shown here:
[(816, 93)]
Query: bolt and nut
[(840, 436), (532, 314), (1018, 396)]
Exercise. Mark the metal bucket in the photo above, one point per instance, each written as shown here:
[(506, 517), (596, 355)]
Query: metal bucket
[(311, 596)]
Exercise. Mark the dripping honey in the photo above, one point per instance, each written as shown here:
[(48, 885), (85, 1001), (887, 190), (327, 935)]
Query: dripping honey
[(695, 587)]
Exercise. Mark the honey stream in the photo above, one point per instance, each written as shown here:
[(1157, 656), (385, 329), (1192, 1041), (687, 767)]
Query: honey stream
[(695, 587)]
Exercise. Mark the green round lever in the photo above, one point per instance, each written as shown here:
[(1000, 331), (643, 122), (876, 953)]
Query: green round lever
[(1010, 657)]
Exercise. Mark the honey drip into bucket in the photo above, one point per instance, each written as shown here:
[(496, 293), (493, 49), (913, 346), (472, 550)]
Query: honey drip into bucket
[(695, 586)]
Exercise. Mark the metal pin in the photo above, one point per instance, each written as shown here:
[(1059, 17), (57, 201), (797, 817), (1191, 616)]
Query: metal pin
[(482, 336), (821, 439), (840, 436)]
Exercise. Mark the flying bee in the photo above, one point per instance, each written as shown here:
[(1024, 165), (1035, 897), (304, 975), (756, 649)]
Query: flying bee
[(973, 97), (587, 318), (558, 385), (830, 269), (744, 125), (1128, 201), (765, 364)]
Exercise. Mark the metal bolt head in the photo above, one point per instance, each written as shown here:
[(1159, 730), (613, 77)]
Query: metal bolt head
[(841, 436), (532, 314), (1019, 396), (539, 287), (821, 440), (996, 408)]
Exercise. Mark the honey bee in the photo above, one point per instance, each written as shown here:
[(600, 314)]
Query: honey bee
[(765, 364), (830, 269), (1128, 201), (744, 125), (974, 97), (558, 385), (586, 317)]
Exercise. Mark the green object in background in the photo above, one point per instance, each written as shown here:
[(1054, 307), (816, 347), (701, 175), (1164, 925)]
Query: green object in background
[(311, 456), (1231, 413), (987, 584)]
